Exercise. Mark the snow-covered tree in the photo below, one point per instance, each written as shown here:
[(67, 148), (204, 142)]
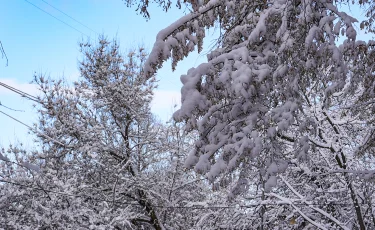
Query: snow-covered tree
[(104, 161), (281, 107), (278, 126)]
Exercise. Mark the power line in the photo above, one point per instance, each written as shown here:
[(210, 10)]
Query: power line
[(23, 94), (34, 130), (56, 18), (69, 16), (3, 54), (16, 110)]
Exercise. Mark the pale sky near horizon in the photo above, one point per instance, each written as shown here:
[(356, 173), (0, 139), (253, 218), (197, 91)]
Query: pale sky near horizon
[(35, 41)]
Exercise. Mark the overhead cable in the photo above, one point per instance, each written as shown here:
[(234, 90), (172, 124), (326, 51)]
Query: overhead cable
[(72, 27), (23, 94), (16, 110), (69, 16), (3, 54), (34, 130)]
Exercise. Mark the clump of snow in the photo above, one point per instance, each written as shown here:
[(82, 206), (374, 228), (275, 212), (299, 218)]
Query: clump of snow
[(271, 183)]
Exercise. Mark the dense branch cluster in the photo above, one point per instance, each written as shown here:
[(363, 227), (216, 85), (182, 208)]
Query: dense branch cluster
[(280, 95), (113, 166)]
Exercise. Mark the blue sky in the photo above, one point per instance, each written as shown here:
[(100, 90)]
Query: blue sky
[(36, 42)]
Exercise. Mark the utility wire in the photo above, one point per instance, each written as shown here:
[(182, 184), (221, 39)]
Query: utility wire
[(69, 16), (173, 207), (23, 94), (34, 130), (56, 18), (16, 110), (3, 54)]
